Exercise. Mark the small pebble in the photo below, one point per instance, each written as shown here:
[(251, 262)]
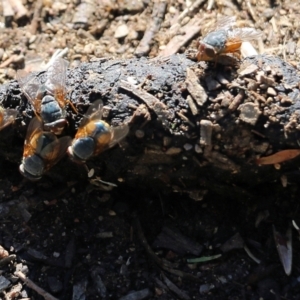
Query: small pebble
[(112, 213), (205, 288), (249, 70), (198, 149), (89, 48), (121, 32), (271, 91), (187, 147), (91, 173), (249, 113), (32, 39), (59, 6)]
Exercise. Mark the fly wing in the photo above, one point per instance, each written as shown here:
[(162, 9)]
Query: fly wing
[(95, 110), (53, 152), (34, 130), (56, 80), (29, 85), (110, 138), (8, 117), (118, 133), (225, 22), (56, 75), (94, 113), (244, 34), (222, 23)]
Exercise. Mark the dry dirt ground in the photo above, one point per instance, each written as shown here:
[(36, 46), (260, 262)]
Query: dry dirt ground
[(77, 241)]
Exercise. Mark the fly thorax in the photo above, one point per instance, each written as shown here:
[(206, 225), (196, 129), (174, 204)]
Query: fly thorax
[(83, 148), (216, 39), (50, 110), (41, 92), (100, 127), (34, 165)]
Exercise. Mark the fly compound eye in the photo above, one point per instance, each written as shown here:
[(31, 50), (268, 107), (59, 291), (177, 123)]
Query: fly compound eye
[(210, 51)]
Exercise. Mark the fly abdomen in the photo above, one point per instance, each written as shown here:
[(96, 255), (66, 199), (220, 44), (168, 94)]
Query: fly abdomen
[(32, 167), (83, 148)]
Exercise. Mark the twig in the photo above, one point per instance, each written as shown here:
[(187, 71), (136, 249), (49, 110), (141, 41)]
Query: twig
[(195, 5), (191, 29), (152, 102), (210, 4), (33, 286), (251, 11), (158, 14), (36, 17), (15, 58)]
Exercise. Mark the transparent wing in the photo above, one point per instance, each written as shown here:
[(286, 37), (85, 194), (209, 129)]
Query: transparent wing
[(53, 152), (94, 112), (225, 22), (56, 75), (34, 126), (222, 23), (244, 34), (7, 117), (34, 130), (118, 133), (34, 63), (29, 85)]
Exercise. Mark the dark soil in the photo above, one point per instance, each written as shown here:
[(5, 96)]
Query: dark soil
[(127, 231)]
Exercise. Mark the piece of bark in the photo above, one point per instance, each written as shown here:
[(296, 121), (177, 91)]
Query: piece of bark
[(123, 85)]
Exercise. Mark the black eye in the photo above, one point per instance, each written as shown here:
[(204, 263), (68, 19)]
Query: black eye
[(210, 52)]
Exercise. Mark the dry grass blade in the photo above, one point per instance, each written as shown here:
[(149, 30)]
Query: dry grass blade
[(278, 157)]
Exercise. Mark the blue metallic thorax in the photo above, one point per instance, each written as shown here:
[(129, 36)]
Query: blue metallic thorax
[(216, 39), (50, 110), (100, 128)]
